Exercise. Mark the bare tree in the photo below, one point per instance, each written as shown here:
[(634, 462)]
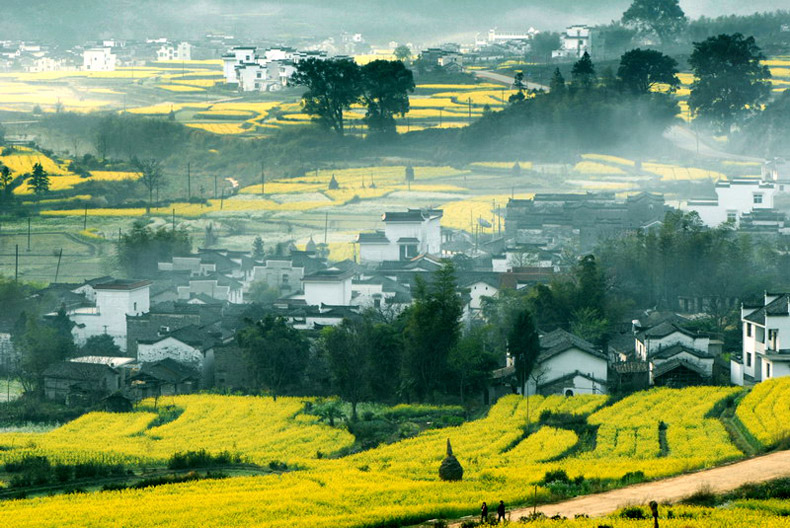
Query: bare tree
[(151, 176)]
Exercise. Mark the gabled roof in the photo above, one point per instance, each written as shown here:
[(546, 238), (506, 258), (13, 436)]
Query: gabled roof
[(328, 275), (559, 341), (78, 371), (674, 364), (664, 329), (674, 350), (122, 284), (377, 237), (166, 370), (776, 308)]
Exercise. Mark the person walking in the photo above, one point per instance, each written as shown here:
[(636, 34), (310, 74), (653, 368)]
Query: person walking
[(484, 513), (500, 512)]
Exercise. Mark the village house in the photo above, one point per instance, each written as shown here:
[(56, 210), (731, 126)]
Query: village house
[(84, 380), (115, 300), (568, 365), (191, 346), (98, 59), (574, 42), (406, 235), (165, 377), (174, 52), (734, 198), (765, 353)]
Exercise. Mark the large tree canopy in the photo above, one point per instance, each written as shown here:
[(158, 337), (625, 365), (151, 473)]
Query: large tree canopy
[(333, 85), (731, 82), (664, 18), (641, 70), (385, 88)]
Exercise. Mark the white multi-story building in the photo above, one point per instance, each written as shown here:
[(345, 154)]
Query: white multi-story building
[(766, 341), (734, 198), (406, 235), (98, 59), (115, 300), (234, 58), (574, 42), (178, 52)]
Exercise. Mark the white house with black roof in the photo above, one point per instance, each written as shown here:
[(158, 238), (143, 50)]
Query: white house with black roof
[(664, 335), (766, 341), (569, 365), (406, 235), (331, 287), (680, 365)]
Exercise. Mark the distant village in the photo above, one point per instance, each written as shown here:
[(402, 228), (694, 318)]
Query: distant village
[(260, 68), (177, 331)]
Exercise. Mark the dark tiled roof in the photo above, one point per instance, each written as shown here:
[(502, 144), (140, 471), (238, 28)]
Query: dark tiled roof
[(122, 284), (408, 240), (664, 329), (376, 237), (559, 341), (328, 274), (78, 371), (166, 370), (674, 350), (669, 366), (778, 307)]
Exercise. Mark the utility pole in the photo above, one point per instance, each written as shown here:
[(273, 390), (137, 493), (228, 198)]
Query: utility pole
[(85, 219), (16, 264), (326, 225), (263, 180), (215, 185), (469, 101), (189, 183), (174, 219), (28, 233), (57, 269), (221, 200)]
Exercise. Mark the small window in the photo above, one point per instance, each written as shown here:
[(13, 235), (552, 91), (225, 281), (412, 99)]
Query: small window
[(285, 278), (758, 198), (767, 370), (748, 329), (732, 216), (568, 392), (135, 307), (748, 359)]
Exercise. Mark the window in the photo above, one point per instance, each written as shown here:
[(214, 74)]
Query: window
[(135, 307), (758, 198), (748, 329), (767, 370), (732, 216), (285, 278), (748, 359)]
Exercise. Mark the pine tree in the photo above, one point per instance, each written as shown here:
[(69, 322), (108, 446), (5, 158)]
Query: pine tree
[(257, 248), (583, 72), (524, 346), (557, 85), (39, 180)]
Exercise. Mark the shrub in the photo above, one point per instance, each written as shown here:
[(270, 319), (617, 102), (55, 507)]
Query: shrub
[(202, 458), (633, 513)]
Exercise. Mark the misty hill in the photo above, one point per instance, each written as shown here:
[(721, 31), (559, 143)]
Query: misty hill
[(421, 21)]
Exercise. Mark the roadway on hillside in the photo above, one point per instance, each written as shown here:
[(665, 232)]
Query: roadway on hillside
[(719, 480), (507, 80), (686, 139)]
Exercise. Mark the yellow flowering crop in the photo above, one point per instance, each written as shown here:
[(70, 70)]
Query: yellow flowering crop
[(593, 167)]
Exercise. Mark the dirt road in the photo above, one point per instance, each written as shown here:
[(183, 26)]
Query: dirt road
[(721, 479)]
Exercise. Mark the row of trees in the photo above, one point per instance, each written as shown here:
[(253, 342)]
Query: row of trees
[(421, 354), (334, 85)]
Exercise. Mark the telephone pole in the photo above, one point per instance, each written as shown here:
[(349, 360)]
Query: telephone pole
[(189, 183)]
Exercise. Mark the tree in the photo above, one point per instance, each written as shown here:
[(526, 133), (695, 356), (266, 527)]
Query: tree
[(730, 80), (385, 89), (557, 84), (39, 346), (101, 345), (583, 72), (641, 70), (333, 85), (402, 53), (471, 362), (524, 346), (345, 351), (543, 44), (151, 176), (39, 180), (5, 181), (257, 248), (275, 353), (664, 18), (432, 330), (141, 249), (519, 85)]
